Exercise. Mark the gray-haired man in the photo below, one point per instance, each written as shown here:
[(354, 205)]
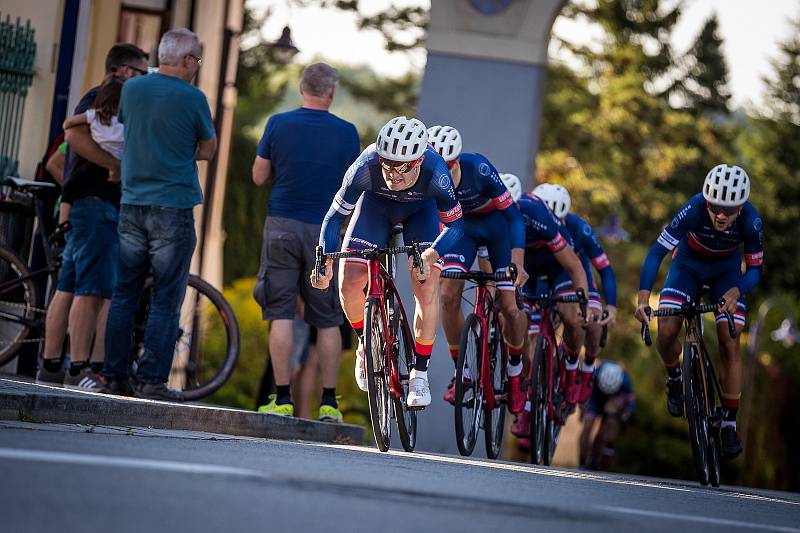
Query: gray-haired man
[(167, 128), (305, 153)]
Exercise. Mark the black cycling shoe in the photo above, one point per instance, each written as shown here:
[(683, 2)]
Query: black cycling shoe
[(675, 397), (731, 443)]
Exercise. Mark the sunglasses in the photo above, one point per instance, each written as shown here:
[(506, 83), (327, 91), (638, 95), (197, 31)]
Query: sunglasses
[(136, 69), (401, 167), (196, 58), (722, 209)]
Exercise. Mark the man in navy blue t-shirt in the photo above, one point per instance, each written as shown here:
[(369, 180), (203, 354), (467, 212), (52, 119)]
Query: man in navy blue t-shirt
[(304, 153)]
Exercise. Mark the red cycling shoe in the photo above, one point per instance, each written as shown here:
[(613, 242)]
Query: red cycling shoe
[(522, 425), (516, 397)]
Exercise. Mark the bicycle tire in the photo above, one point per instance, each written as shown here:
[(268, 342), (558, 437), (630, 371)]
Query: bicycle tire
[(494, 420), (208, 343), (16, 305), (469, 400), (538, 397), (553, 428), (714, 443), (403, 355), (377, 384), (694, 398)]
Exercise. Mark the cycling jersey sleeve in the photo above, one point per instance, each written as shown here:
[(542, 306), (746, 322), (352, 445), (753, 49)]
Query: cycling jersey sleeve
[(356, 181), (442, 190), (541, 224), (592, 248), (753, 253), (667, 241), (493, 187)]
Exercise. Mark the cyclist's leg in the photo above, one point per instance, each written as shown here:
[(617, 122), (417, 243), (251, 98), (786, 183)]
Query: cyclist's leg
[(681, 286), (590, 414), (593, 329)]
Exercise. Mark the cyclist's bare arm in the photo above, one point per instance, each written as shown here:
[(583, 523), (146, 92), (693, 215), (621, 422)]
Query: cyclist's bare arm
[(262, 170), (55, 166), (567, 258)]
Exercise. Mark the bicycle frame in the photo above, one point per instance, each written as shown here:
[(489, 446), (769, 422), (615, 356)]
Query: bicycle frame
[(483, 309), (548, 330)]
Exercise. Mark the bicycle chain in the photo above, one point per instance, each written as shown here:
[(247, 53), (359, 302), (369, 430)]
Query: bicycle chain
[(22, 306)]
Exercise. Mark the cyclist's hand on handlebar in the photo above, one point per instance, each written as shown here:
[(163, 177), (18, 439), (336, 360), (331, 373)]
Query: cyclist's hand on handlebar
[(595, 314), (429, 258), (522, 275), (731, 298), (323, 281), (611, 319), (641, 313)]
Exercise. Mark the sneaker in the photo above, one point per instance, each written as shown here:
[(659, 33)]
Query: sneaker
[(731, 443), (85, 380), (524, 444), (329, 413), (283, 409), (158, 391), (120, 387), (585, 391), (675, 396), (516, 397), (419, 393), (573, 388), (46, 377), (522, 425), (361, 367)]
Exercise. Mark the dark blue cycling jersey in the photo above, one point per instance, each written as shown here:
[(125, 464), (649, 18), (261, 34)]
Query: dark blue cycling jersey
[(482, 191), (693, 233), (586, 246), (544, 235), (364, 175), (599, 398)]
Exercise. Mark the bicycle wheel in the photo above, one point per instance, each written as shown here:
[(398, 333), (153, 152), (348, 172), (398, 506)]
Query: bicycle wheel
[(554, 422), (207, 346), (494, 420), (17, 304), (469, 396), (377, 384), (714, 424), (403, 355), (538, 398), (695, 399)]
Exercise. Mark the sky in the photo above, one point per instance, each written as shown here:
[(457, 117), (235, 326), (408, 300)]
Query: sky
[(751, 30)]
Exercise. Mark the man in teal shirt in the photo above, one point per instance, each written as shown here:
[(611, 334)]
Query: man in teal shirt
[(168, 128)]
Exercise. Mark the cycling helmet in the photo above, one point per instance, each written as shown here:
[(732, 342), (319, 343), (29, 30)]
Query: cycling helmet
[(402, 139), (513, 185), (446, 140), (727, 186), (609, 378), (555, 196)]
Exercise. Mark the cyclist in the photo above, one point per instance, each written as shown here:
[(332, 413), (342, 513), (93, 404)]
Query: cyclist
[(612, 399), (491, 219), (549, 252), (705, 237), (591, 253), (403, 180)]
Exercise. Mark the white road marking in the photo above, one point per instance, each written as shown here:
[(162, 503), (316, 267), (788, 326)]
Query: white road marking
[(697, 519), (124, 462)]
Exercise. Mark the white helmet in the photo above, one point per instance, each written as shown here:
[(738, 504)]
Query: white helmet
[(555, 196), (402, 139), (609, 378), (513, 185), (446, 140), (728, 186)]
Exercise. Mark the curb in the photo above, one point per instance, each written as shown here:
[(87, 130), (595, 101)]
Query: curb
[(28, 402)]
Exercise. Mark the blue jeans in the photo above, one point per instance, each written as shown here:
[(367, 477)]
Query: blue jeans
[(157, 240)]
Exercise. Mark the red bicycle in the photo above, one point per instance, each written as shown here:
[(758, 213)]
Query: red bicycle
[(388, 343), (549, 409), (481, 377)]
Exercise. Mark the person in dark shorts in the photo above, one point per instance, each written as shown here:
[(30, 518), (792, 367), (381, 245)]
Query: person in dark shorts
[(305, 153)]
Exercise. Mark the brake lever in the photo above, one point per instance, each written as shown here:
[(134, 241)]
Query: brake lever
[(646, 327), (604, 334), (416, 261), (319, 263), (729, 317)]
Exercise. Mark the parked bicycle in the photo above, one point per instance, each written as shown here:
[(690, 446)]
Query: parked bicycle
[(207, 346), (546, 388), (481, 379), (388, 343), (701, 390)]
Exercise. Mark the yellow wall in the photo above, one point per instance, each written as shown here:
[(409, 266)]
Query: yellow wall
[(104, 28)]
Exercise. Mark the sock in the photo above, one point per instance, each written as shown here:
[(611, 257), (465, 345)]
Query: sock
[(423, 349), (515, 354), (572, 359), (329, 397), (52, 365), (514, 370), (96, 367), (284, 394), (453, 351), (587, 367), (528, 406), (730, 407), (674, 372), (359, 328), (75, 368)]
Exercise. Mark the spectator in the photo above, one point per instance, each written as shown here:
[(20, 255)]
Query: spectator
[(89, 263), (167, 128), (305, 153)]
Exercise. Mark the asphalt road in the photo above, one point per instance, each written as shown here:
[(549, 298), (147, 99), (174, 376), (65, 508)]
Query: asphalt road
[(73, 478)]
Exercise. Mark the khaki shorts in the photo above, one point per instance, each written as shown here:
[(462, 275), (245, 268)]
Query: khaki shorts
[(287, 258)]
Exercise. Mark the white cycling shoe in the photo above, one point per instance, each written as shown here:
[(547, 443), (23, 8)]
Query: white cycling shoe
[(361, 367), (419, 393)]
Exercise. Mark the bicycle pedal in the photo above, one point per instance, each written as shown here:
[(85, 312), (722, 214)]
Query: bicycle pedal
[(416, 408)]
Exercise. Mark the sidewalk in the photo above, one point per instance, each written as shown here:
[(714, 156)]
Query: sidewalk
[(26, 401)]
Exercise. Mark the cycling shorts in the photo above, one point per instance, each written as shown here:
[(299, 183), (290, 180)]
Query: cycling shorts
[(374, 217), (687, 276), (489, 230), (562, 286)]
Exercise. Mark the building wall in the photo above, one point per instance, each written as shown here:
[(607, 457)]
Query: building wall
[(45, 17)]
